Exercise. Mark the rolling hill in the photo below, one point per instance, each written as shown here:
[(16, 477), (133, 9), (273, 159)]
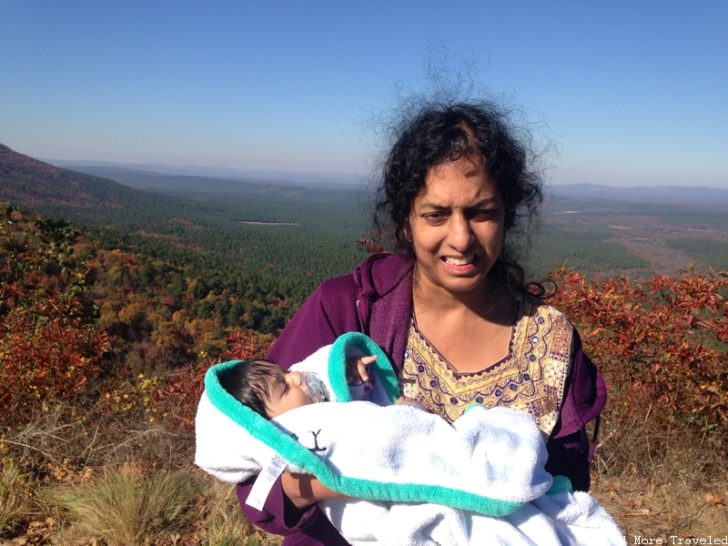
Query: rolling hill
[(43, 186), (80, 197)]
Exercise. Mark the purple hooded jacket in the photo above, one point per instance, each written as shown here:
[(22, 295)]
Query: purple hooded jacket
[(376, 299)]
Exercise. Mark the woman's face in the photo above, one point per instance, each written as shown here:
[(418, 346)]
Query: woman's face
[(456, 226)]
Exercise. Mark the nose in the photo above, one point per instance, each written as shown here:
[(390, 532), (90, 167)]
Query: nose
[(294, 378), (460, 235)]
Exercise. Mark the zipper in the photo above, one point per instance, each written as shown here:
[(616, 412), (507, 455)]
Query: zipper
[(358, 316)]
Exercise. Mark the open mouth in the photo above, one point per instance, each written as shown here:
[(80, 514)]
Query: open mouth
[(465, 260)]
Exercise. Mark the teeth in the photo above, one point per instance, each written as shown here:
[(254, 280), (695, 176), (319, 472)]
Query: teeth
[(459, 261)]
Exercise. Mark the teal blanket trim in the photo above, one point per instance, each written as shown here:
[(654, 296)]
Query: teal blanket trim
[(266, 432), (561, 484), (381, 367)]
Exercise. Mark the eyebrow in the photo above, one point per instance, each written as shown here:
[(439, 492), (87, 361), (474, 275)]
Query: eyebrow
[(489, 201)]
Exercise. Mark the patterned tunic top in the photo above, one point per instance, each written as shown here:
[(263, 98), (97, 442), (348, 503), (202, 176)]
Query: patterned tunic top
[(530, 378)]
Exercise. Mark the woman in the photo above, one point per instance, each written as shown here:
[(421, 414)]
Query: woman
[(451, 308)]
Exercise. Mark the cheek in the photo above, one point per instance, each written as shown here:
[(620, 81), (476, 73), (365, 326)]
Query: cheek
[(491, 238), (497, 235), (303, 398), (424, 238)]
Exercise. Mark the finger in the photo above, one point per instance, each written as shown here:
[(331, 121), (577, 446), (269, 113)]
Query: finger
[(362, 365)]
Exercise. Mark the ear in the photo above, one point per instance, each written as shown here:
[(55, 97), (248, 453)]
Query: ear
[(407, 231)]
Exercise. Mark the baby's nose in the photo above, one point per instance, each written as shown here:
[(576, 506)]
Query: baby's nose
[(295, 378)]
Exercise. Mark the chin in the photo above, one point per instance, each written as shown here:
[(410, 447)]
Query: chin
[(464, 286)]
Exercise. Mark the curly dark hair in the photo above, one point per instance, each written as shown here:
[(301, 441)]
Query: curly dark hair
[(437, 134)]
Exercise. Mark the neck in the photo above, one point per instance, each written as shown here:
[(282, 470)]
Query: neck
[(485, 301)]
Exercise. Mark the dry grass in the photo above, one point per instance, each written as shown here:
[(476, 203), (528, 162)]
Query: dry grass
[(17, 494), (98, 480), (661, 482), (126, 506), (225, 525), (644, 508), (631, 445), (61, 440)]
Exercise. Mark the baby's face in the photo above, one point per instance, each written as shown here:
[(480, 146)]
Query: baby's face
[(286, 392)]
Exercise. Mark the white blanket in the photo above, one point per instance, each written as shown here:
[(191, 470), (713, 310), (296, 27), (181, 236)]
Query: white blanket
[(420, 480)]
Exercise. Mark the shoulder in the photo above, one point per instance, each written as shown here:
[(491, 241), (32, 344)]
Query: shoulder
[(547, 317), (377, 275), (337, 287), (550, 333)]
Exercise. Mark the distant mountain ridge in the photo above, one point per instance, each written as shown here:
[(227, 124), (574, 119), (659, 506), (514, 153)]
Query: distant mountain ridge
[(714, 198), (166, 178), (314, 179), (80, 197), (187, 184), (101, 191)]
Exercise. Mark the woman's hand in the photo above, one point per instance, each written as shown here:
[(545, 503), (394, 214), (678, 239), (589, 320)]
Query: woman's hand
[(303, 490)]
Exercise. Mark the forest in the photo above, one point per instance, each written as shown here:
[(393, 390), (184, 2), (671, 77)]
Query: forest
[(111, 314)]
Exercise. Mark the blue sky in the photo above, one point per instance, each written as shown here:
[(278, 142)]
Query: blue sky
[(621, 92)]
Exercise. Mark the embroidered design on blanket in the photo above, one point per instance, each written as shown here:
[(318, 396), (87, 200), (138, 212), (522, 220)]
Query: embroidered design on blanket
[(316, 448), (530, 378)]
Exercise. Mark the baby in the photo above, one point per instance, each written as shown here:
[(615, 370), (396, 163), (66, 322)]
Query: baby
[(267, 389), (423, 480), (270, 391)]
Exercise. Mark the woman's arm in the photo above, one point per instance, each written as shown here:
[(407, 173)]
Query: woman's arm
[(569, 456), (585, 394), (281, 517), (303, 490)]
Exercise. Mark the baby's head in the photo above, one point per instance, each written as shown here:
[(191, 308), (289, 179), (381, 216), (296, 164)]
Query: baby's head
[(265, 388)]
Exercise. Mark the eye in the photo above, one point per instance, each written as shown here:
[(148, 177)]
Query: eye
[(483, 214), (435, 217), (282, 385)]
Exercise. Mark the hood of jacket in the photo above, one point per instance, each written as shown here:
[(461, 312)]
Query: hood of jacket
[(377, 277), (384, 301)]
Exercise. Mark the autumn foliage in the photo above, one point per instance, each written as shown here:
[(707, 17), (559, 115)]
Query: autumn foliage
[(661, 343), (175, 398), (50, 345)]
